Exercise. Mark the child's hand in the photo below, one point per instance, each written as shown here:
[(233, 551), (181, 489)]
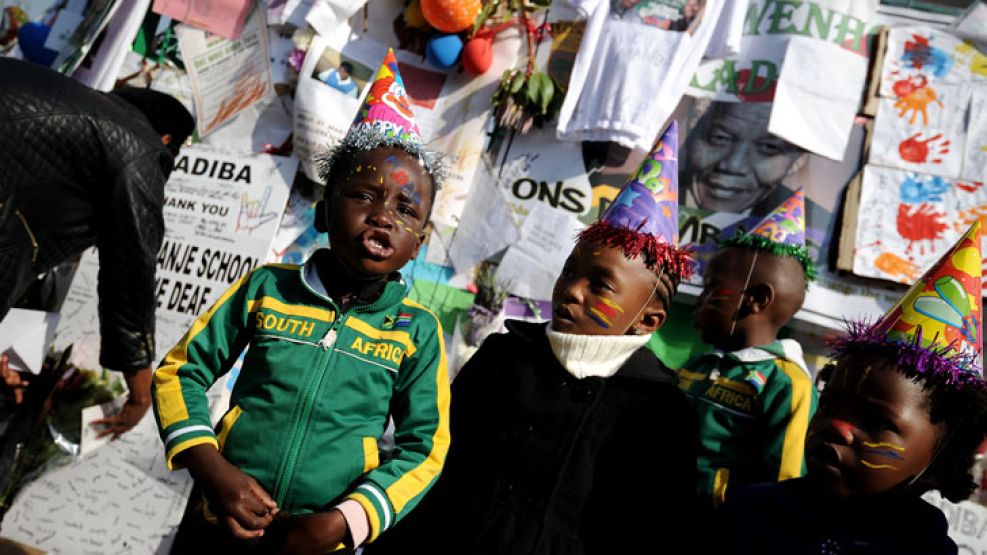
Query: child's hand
[(238, 499), (314, 533)]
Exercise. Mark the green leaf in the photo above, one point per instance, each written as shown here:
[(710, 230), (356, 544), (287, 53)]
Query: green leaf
[(517, 82), (540, 91), (548, 91)]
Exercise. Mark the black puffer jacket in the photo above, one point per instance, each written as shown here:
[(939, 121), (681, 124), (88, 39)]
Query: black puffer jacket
[(79, 168)]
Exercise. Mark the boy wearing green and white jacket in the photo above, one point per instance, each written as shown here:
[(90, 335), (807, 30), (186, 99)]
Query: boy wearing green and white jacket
[(334, 349)]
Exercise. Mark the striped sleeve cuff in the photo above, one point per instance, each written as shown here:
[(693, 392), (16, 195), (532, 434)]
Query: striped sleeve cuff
[(379, 513), (185, 437)]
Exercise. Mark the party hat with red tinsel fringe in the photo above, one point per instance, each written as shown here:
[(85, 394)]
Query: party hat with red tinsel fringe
[(935, 329), (644, 218), (782, 233)]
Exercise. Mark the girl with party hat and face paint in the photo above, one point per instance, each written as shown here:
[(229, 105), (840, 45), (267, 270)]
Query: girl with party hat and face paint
[(550, 420), (752, 391), (335, 349), (903, 411)]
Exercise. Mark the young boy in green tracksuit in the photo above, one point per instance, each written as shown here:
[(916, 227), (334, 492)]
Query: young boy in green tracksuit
[(335, 348), (752, 392)]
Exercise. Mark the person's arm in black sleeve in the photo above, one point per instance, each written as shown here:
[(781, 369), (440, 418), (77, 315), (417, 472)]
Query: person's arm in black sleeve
[(131, 228)]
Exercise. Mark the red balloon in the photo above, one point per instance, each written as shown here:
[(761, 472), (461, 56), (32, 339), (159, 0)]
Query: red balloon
[(450, 16), (478, 54)]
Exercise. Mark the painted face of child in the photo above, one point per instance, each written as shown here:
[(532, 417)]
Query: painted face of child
[(871, 431), (723, 284), (600, 291), (378, 211)]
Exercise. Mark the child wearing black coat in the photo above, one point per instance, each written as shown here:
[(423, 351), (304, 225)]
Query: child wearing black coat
[(573, 437)]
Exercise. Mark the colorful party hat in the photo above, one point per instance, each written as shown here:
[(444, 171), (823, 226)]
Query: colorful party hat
[(782, 233), (644, 218), (385, 119), (386, 110), (935, 328)]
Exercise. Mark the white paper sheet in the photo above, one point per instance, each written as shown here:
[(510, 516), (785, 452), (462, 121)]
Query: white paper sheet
[(326, 15), (25, 336), (531, 265), (902, 138), (975, 151), (101, 67), (88, 441), (817, 96), (485, 228), (227, 76), (907, 220), (98, 504)]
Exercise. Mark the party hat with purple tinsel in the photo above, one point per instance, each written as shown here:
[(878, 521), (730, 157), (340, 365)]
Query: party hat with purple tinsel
[(782, 233), (644, 218), (935, 328)]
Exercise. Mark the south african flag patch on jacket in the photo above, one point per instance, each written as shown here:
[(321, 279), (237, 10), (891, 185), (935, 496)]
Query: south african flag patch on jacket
[(403, 320), (756, 379)]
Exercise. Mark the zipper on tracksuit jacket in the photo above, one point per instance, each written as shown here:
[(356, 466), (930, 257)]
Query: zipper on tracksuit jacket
[(300, 427)]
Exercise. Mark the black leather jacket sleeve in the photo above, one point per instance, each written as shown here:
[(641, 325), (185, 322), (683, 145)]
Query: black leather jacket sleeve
[(130, 234)]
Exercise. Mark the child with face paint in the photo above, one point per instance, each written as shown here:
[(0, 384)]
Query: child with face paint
[(335, 349), (556, 448), (753, 392), (903, 411)]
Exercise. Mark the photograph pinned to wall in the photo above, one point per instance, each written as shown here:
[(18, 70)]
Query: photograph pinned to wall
[(227, 76), (733, 172), (906, 220), (670, 15), (341, 73), (927, 137)]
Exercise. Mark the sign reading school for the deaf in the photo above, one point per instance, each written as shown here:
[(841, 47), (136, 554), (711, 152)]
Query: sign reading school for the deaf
[(221, 212)]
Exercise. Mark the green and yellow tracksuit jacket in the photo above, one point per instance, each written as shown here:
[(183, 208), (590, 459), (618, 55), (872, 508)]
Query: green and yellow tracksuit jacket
[(314, 394), (754, 407)]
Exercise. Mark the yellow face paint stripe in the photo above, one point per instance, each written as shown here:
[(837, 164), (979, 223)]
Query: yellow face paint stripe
[(793, 446), (414, 482), (167, 387), (898, 448), (401, 337), (187, 444), (271, 303), (869, 464)]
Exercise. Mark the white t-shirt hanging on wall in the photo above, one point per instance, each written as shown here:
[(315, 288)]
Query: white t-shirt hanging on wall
[(729, 30), (633, 66)]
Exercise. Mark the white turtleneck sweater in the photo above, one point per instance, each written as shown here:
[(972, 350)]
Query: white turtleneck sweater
[(586, 356)]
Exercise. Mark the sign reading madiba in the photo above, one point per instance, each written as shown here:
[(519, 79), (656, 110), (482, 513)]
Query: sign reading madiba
[(221, 212)]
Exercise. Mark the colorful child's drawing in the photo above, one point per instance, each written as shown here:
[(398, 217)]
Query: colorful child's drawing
[(907, 220)]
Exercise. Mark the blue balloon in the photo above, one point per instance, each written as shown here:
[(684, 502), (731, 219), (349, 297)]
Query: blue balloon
[(443, 51), (31, 38)]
